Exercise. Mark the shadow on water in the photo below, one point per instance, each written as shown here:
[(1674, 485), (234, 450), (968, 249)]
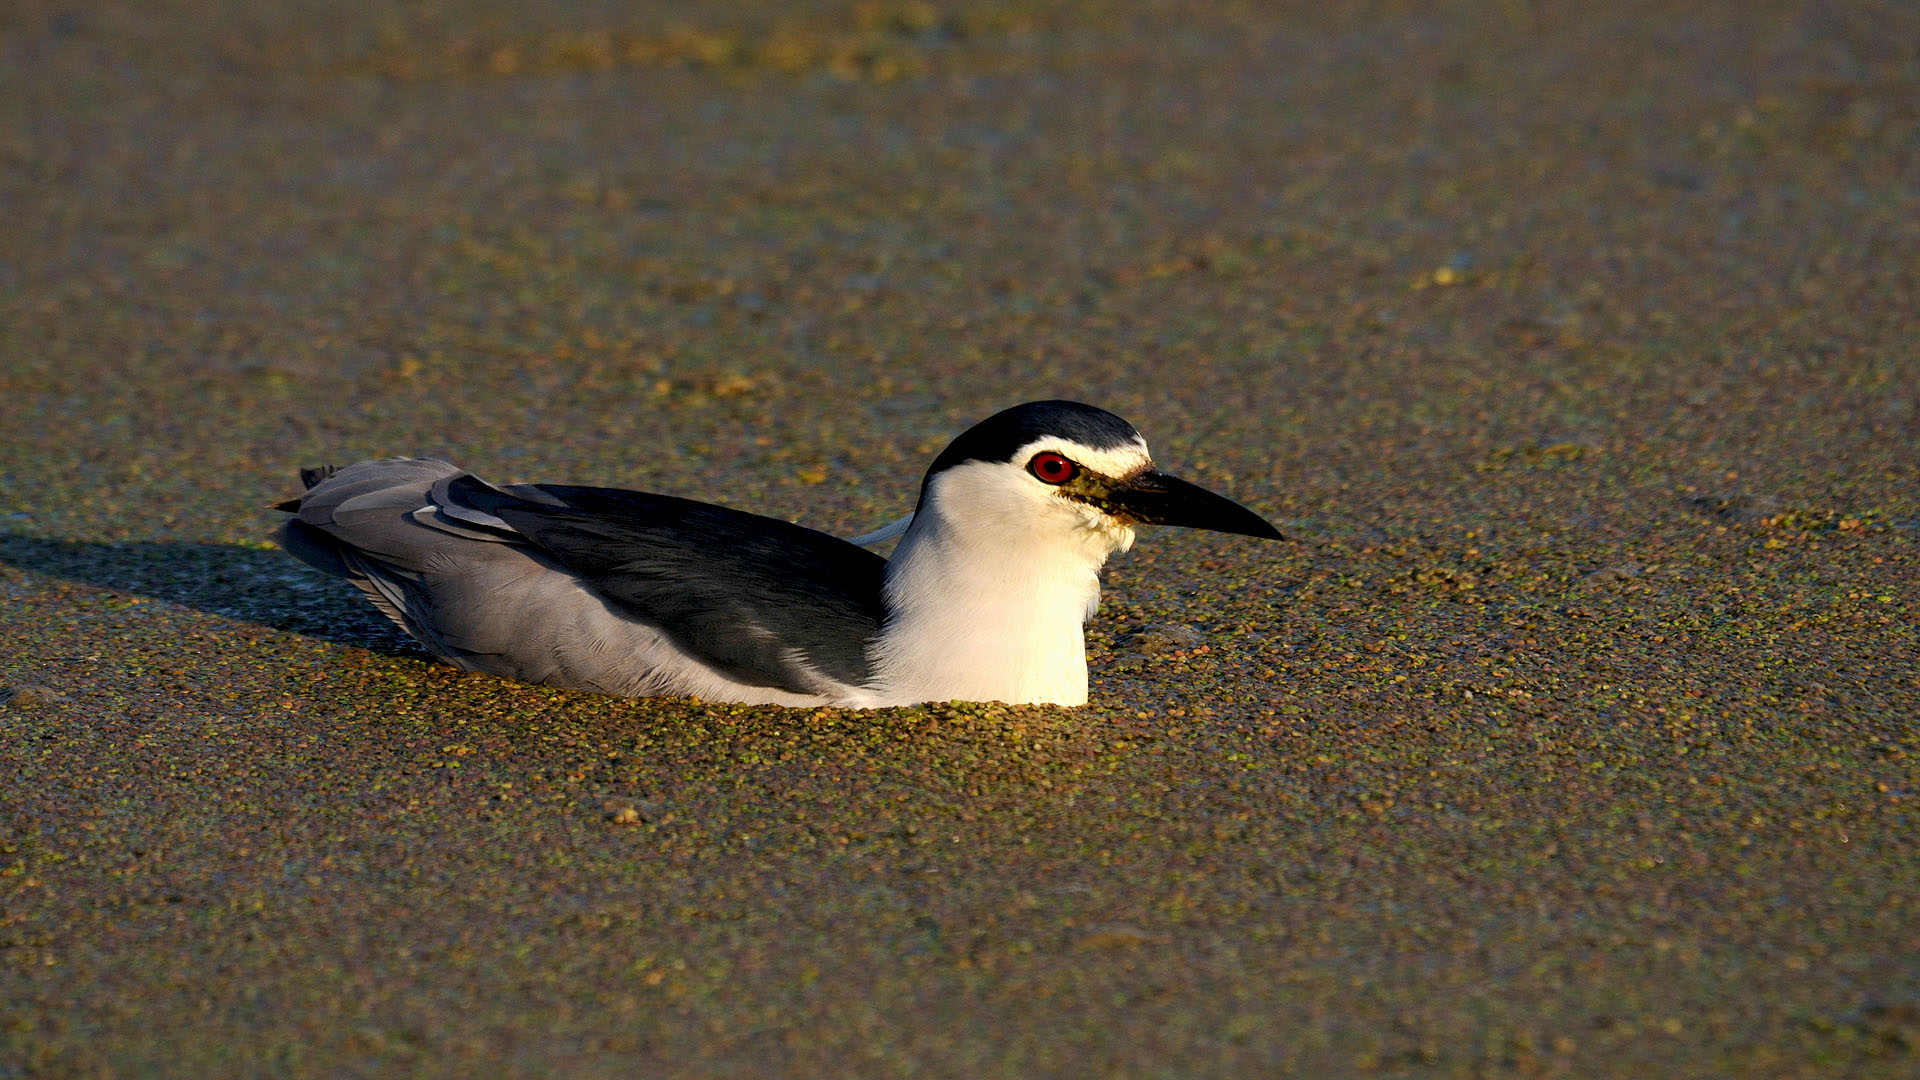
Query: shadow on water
[(256, 585)]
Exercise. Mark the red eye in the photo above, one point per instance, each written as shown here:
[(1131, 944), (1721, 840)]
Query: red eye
[(1051, 468)]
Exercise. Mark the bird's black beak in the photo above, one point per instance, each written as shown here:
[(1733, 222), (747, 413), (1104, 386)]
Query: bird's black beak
[(1154, 498)]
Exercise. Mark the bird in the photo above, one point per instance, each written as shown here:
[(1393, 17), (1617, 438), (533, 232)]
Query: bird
[(637, 594)]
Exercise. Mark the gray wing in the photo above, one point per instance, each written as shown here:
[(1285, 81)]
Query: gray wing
[(753, 596), (357, 523), (442, 581), (620, 592)]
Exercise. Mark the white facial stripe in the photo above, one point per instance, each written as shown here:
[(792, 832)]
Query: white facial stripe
[(1122, 462)]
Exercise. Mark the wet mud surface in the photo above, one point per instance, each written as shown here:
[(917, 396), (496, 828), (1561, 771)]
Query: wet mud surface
[(1574, 346)]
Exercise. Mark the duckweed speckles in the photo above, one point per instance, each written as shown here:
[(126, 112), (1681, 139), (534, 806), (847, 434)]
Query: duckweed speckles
[(1681, 797)]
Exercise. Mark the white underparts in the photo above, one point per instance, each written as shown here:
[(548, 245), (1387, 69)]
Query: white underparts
[(992, 584)]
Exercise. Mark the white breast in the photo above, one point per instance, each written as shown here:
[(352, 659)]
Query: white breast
[(988, 593)]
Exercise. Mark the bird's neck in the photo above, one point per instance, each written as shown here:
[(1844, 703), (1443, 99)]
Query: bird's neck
[(989, 611)]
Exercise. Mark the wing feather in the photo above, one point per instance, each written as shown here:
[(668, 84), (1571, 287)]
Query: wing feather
[(764, 601)]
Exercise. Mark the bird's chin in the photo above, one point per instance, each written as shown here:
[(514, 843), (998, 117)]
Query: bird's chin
[(1113, 533)]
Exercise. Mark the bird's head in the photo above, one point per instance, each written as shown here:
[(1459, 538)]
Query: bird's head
[(1063, 470)]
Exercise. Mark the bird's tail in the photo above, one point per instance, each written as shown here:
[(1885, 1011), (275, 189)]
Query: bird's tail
[(308, 478)]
